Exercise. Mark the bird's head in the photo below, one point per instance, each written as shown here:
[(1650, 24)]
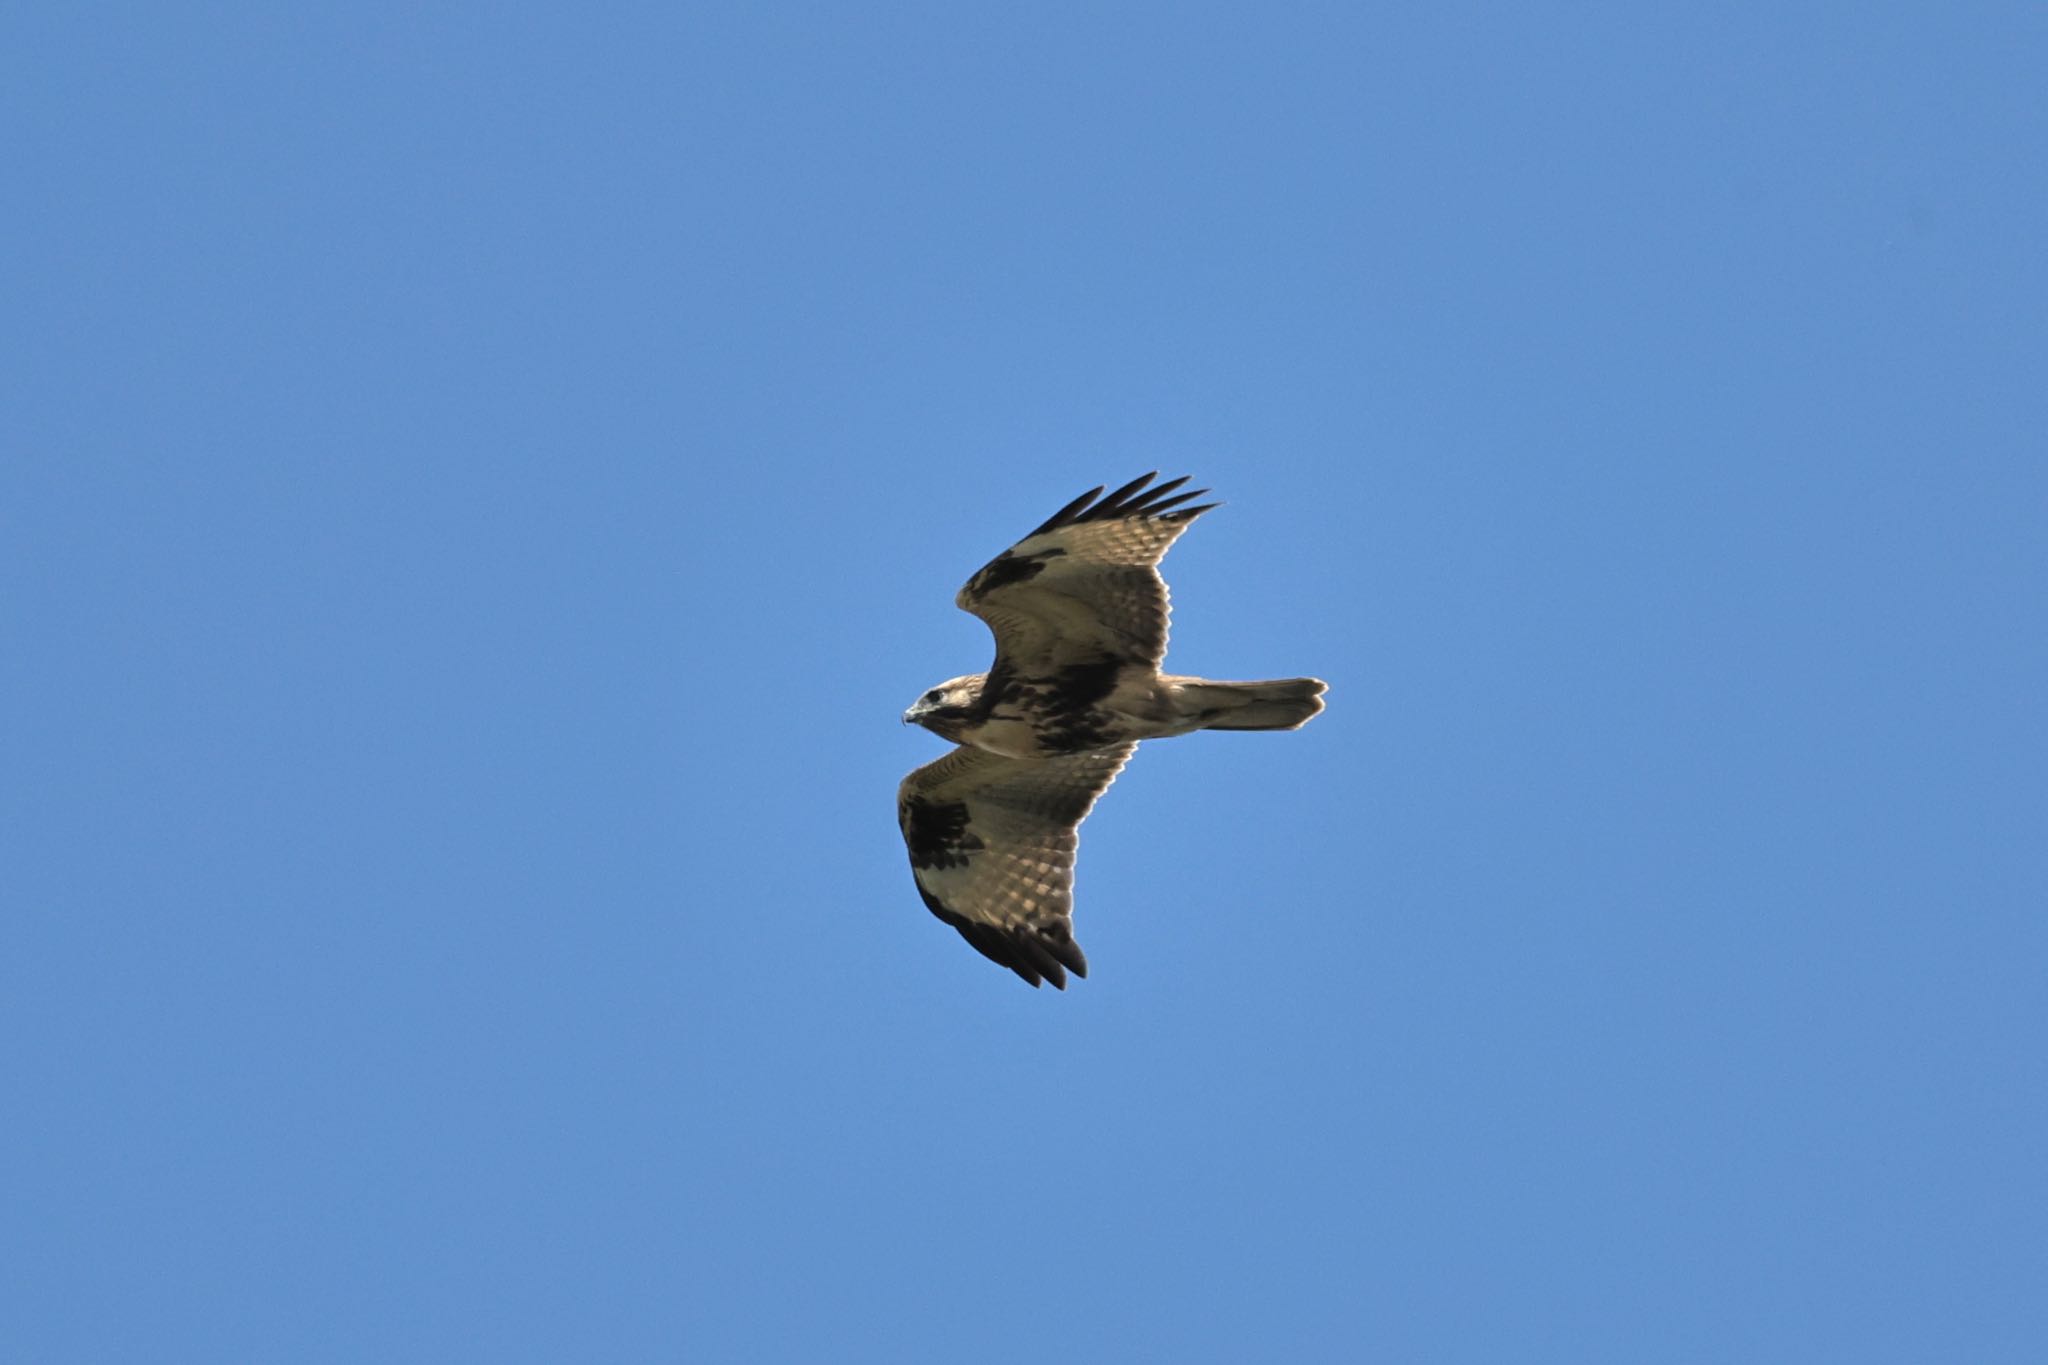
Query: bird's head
[(946, 709)]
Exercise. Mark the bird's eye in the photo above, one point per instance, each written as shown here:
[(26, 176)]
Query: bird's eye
[(932, 695)]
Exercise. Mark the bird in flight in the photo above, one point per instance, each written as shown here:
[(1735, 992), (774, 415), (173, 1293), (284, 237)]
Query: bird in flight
[(1079, 614)]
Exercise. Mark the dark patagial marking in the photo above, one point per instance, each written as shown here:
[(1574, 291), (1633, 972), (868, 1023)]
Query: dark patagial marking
[(1009, 568), (937, 834)]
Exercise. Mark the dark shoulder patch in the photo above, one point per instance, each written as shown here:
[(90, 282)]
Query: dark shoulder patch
[(936, 832), (1009, 569)]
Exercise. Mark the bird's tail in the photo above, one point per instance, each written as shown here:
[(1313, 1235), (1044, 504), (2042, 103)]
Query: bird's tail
[(1275, 704)]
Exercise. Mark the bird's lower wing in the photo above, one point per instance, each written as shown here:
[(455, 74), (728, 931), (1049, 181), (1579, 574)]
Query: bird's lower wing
[(992, 842)]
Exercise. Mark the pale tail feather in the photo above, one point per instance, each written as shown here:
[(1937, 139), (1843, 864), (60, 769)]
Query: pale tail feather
[(1275, 704)]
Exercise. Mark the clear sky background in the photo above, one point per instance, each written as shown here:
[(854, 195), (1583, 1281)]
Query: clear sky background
[(482, 482)]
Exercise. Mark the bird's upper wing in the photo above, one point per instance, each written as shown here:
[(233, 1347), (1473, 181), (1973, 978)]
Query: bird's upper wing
[(992, 843), (1085, 585)]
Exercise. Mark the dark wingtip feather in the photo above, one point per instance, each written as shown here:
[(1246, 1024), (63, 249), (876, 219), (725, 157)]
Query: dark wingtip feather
[(1071, 511), (1159, 508), (1032, 956), (1133, 486), (1037, 952), (1133, 499)]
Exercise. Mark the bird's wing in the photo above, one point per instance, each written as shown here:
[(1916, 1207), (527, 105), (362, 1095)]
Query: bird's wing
[(1085, 586), (992, 843)]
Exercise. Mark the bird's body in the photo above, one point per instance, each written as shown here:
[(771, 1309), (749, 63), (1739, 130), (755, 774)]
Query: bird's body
[(1088, 708), (1079, 614)]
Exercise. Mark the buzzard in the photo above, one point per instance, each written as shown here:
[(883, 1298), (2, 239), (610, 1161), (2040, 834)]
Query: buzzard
[(1079, 614)]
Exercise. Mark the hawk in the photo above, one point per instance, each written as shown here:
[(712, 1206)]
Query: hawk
[(1079, 614)]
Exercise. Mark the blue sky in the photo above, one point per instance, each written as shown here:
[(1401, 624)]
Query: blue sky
[(480, 484)]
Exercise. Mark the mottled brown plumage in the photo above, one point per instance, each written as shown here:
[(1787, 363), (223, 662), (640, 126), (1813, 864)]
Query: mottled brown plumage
[(1079, 613)]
